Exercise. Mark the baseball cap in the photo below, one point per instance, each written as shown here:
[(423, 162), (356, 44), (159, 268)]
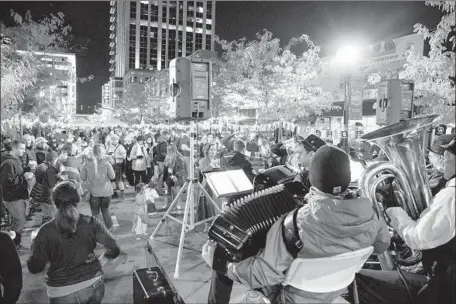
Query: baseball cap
[(440, 141), (313, 142), (451, 147)]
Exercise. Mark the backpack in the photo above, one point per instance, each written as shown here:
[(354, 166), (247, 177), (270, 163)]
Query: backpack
[(162, 148)]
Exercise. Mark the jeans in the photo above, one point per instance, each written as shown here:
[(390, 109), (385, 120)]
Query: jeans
[(386, 287), (140, 175), (17, 211), (101, 203), (220, 289), (117, 183), (91, 295)]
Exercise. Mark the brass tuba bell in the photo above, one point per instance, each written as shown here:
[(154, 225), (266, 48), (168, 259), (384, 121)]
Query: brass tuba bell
[(403, 144)]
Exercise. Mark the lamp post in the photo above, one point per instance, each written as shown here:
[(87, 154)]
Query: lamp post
[(346, 59)]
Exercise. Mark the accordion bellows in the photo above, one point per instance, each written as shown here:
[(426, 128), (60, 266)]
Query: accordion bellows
[(241, 229)]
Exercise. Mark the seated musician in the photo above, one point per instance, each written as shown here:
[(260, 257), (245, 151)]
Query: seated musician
[(306, 150), (436, 180), (434, 234), (335, 221)]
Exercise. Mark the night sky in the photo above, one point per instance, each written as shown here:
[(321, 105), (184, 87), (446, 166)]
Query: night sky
[(329, 24)]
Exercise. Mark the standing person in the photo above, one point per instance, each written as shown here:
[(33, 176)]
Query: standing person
[(149, 159), (138, 156), (128, 163), (68, 243), (28, 158), (117, 155), (13, 181), (98, 173), (47, 175), (160, 155), (141, 214), (10, 270), (41, 150), (436, 180)]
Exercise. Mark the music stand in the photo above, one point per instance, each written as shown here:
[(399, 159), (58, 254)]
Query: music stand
[(188, 222)]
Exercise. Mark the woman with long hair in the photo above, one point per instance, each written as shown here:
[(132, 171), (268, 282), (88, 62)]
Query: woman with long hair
[(175, 170), (68, 242), (98, 172)]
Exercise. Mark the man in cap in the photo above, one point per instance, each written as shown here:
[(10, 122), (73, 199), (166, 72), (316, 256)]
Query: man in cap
[(434, 235), (117, 155), (436, 159), (306, 150), (334, 221)]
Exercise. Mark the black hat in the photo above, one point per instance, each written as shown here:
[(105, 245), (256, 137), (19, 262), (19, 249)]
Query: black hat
[(140, 138), (313, 142), (451, 147), (330, 170), (441, 141)]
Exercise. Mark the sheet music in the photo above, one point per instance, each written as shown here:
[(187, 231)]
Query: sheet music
[(240, 180), (221, 183), (229, 182)]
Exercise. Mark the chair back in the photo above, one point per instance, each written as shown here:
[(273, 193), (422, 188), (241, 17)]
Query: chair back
[(326, 274)]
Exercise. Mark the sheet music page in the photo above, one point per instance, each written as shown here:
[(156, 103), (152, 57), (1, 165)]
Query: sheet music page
[(221, 183), (240, 180)]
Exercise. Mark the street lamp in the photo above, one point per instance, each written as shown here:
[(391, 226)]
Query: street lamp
[(347, 58)]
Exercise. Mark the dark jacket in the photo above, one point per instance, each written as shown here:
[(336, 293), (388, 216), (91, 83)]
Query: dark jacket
[(72, 259), (27, 157), (41, 155), (303, 177), (12, 180), (236, 160), (160, 149), (46, 178), (10, 270)]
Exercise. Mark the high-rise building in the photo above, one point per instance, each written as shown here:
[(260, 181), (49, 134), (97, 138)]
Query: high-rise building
[(147, 35), (61, 72)]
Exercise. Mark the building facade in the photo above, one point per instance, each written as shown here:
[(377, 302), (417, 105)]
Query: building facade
[(147, 35), (62, 71)]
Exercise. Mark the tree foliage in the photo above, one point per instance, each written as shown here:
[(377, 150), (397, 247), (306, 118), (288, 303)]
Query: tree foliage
[(147, 101), (272, 78), (434, 75), (27, 83)]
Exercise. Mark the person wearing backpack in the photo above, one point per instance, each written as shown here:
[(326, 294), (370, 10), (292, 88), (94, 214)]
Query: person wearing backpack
[(47, 176), (162, 147)]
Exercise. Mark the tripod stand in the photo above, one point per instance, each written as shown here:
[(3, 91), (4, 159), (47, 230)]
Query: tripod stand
[(188, 223)]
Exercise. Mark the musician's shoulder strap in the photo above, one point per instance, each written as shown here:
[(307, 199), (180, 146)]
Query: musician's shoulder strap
[(290, 233)]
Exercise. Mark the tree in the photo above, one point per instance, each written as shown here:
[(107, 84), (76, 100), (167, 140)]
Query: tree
[(26, 81), (272, 78), (434, 75), (146, 101)]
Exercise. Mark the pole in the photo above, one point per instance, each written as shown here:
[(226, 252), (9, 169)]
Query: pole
[(20, 123), (347, 90)]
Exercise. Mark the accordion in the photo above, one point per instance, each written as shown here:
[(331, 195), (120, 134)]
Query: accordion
[(240, 230)]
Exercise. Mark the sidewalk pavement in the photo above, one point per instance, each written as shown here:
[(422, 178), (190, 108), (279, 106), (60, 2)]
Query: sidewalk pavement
[(193, 284)]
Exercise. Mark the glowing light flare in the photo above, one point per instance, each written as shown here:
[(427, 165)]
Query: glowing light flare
[(348, 55)]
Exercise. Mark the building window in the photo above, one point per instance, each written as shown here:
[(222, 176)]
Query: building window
[(133, 9), (189, 43), (132, 46), (208, 26), (164, 15), (153, 13), (144, 11), (209, 9), (172, 44), (199, 41), (208, 42)]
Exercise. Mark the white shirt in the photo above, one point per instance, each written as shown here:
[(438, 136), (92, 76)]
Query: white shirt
[(436, 225)]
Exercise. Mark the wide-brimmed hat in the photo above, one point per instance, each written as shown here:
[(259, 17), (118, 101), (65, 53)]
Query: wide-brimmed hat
[(440, 141), (451, 147)]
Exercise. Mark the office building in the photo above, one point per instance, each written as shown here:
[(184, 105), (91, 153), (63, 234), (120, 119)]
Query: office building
[(61, 68), (147, 35)]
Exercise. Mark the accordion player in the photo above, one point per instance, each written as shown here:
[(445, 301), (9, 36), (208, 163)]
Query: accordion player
[(240, 230)]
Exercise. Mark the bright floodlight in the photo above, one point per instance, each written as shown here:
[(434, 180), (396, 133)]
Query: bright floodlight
[(348, 55), (41, 94)]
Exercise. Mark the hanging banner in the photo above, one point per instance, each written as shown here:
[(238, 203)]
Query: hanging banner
[(355, 109)]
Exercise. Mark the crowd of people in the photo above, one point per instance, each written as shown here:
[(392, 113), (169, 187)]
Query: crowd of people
[(55, 171)]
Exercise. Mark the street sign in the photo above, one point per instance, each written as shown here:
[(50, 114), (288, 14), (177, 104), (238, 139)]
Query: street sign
[(440, 130), (344, 134)]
